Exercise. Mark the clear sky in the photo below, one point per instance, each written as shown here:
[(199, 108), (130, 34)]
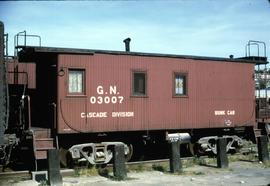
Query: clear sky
[(188, 27)]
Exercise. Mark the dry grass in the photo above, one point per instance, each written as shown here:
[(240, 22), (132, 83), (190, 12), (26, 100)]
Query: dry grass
[(250, 156)]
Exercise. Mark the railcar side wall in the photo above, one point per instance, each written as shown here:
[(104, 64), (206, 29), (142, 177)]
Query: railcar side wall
[(95, 93)]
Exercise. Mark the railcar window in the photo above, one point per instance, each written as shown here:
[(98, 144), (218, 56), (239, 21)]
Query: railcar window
[(139, 83), (76, 81), (180, 84)]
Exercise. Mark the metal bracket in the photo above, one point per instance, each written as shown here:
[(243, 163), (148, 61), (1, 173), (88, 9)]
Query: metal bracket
[(95, 153)]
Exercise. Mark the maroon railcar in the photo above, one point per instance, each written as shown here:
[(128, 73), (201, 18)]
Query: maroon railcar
[(133, 92), (85, 101)]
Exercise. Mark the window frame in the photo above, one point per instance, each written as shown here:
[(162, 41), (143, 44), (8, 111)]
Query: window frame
[(83, 70), (184, 74), (133, 94)]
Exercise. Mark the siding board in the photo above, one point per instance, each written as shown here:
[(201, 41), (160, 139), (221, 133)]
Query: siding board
[(212, 86)]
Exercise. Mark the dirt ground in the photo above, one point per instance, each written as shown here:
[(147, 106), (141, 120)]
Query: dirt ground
[(238, 173)]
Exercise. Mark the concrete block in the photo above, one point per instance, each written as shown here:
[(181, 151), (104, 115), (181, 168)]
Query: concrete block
[(39, 176)]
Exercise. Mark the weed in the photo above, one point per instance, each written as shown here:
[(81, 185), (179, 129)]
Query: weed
[(92, 171), (43, 183), (104, 172), (158, 167), (139, 167), (192, 161), (266, 164)]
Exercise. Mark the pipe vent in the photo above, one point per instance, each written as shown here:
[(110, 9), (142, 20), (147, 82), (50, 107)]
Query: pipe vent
[(127, 44)]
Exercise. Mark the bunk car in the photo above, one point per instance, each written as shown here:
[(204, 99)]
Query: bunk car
[(93, 98), (84, 102)]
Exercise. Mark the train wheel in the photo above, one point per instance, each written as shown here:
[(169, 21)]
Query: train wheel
[(191, 147), (129, 153), (65, 158), (195, 150)]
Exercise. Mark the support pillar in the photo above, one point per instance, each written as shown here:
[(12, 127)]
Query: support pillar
[(54, 176), (3, 88), (263, 149), (222, 158), (175, 162), (119, 166)]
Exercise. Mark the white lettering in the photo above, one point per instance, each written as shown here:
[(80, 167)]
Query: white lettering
[(105, 114), (100, 90), (219, 112), (94, 115), (107, 100), (83, 115), (113, 90), (223, 112), (93, 99), (121, 98), (230, 112), (114, 99), (122, 114), (99, 100)]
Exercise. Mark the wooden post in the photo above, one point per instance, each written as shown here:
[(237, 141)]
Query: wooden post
[(175, 162), (222, 158), (263, 149), (119, 166), (55, 178)]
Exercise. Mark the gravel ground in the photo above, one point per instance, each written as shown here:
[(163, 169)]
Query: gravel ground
[(238, 173)]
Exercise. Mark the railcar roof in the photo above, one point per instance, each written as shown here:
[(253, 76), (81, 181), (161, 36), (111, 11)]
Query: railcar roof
[(59, 50)]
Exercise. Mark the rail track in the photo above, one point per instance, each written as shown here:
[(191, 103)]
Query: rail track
[(25, 174)]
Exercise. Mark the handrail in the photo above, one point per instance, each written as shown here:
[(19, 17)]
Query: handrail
[(248, 47), (16, 37), (23, 34), (24, 97), (254, 42)]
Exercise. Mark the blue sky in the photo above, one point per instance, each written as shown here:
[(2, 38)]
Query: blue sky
[(195, 27)]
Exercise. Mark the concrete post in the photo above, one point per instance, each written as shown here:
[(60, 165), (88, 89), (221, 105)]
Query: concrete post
[(54, 176), (222, 158), (175, 162), (119, 166), (263, 149)]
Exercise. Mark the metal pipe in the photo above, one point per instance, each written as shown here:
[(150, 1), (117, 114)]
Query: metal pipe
[(37, 37), (16, 74), (259, 81), (29, 111), (248, 48), (6, 45), (16, 41), (25, 38), (8, 103), (264, 45), (265, 81), (127, 44), (54, 124), (54, 115)]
